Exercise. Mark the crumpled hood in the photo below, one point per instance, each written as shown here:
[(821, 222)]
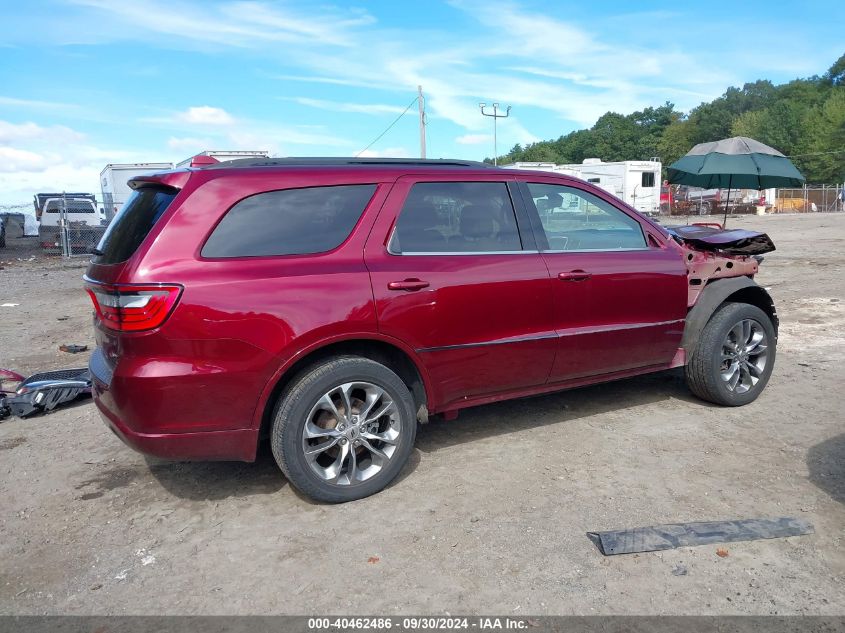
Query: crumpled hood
[(732, 242)]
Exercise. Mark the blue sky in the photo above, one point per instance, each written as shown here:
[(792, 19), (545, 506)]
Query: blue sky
[(88, 82)]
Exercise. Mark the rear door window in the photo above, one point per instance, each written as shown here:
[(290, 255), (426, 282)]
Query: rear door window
[(132, 224), (289, 222)]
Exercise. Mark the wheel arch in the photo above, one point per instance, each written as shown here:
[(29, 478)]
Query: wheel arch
[(717, 292), (389, 353)]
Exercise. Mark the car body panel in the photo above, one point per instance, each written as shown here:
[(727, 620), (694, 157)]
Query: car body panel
[(629, 309), (483, 323)]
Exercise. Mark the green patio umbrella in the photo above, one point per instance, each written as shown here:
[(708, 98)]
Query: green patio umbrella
[(738, 162)]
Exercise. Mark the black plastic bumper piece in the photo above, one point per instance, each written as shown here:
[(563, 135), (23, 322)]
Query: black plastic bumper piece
[(47, 390), (672, 535)]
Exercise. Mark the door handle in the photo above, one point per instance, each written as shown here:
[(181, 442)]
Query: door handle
[(409, 285), (574, 275)]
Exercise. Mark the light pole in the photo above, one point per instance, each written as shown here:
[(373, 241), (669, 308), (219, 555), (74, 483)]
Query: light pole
[(496, 116)]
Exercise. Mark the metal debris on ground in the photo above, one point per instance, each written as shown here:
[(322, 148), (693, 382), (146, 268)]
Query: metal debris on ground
[(42, 392), (670, 536), (73, 349)]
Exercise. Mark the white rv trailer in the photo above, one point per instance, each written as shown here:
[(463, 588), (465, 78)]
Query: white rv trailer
[(224, 155), (114, 179), (636, 182)]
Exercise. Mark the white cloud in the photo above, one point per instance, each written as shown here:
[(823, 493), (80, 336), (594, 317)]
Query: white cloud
[(188, 144), (517, 56), (13, 160), (474, 139), (35, 157), (241, 24), (30, 104), (29, 131), (206, 115), (217, 129), (337, 106), (388, 152)]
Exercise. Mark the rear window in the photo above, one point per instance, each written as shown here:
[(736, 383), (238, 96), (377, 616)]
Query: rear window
[(289, 222), (70, 206), (132, 224)]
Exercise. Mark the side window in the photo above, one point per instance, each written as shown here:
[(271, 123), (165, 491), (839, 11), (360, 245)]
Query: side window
[(289, 222), (648, 179), (574, 220), (456, 217)]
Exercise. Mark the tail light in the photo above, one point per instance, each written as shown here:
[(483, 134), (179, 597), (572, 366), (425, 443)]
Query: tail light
[(133, 308)]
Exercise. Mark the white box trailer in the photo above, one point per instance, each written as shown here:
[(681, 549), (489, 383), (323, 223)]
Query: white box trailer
[(636, 182), (224, 155), (114, 179)]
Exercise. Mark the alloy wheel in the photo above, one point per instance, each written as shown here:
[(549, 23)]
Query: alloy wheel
[(744, 356), (351, 433)]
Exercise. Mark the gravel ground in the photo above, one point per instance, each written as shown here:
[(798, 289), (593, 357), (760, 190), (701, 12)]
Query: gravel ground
[(489, 516)]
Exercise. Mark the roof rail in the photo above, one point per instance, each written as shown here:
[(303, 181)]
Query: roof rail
[(343, 161)]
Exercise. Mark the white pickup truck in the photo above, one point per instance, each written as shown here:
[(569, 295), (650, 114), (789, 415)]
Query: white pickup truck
[(80, 215)]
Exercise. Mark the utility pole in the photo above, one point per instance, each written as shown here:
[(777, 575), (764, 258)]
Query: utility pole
[(496, 116), (421, 104)]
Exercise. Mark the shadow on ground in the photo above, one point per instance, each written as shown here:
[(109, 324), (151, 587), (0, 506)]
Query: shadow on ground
[(528, 413), (826, 462), (213, 481), (201, 481)]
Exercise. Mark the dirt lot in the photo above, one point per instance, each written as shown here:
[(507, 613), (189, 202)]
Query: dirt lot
[(491, 514)]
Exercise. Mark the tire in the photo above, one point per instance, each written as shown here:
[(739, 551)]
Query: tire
[(312, 413), (709, 370)]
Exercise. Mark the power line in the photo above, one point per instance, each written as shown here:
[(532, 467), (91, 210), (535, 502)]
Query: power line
[(395, 121)]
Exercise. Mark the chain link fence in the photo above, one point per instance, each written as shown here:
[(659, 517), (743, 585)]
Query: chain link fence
[(809, 199), (821, 198), (66, 225), (70, 227)]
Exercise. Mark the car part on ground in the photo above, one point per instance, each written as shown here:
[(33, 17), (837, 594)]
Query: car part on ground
[(73, 349), (669, 536), (7, 376), (43, 392)]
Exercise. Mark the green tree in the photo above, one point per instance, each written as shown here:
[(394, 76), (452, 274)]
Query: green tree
[(676, 140), (803, 118)]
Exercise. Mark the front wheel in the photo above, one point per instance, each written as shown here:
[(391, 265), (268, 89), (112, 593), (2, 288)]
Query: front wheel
[(734, 357), (344, 429)]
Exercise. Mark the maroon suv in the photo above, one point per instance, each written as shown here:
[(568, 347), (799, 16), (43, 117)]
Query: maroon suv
[(331, 304)]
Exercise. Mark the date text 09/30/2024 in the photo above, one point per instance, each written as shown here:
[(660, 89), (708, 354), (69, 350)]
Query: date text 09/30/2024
[(418, 623)]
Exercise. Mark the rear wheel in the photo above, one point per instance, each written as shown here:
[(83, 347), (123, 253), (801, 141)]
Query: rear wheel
[(344, 429), (734, 357)]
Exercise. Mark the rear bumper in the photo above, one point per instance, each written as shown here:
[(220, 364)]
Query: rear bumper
[(201, 445), (237, 445)]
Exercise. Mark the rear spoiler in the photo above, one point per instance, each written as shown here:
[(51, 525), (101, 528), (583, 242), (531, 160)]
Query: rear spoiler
[(169, 179), (734, 242)]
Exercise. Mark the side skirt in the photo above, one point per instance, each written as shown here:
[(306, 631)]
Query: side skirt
[(451, 408)]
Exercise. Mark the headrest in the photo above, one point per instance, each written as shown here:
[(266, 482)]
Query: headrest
[(419, 214), (477, 221)]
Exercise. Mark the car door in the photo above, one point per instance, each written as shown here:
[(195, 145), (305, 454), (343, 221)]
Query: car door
[(457, 275), (619, 290)]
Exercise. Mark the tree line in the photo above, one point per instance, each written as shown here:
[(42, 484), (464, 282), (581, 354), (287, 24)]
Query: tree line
[(803, 118)]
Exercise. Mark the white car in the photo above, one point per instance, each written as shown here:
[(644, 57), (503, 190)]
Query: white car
[(84, 223)]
